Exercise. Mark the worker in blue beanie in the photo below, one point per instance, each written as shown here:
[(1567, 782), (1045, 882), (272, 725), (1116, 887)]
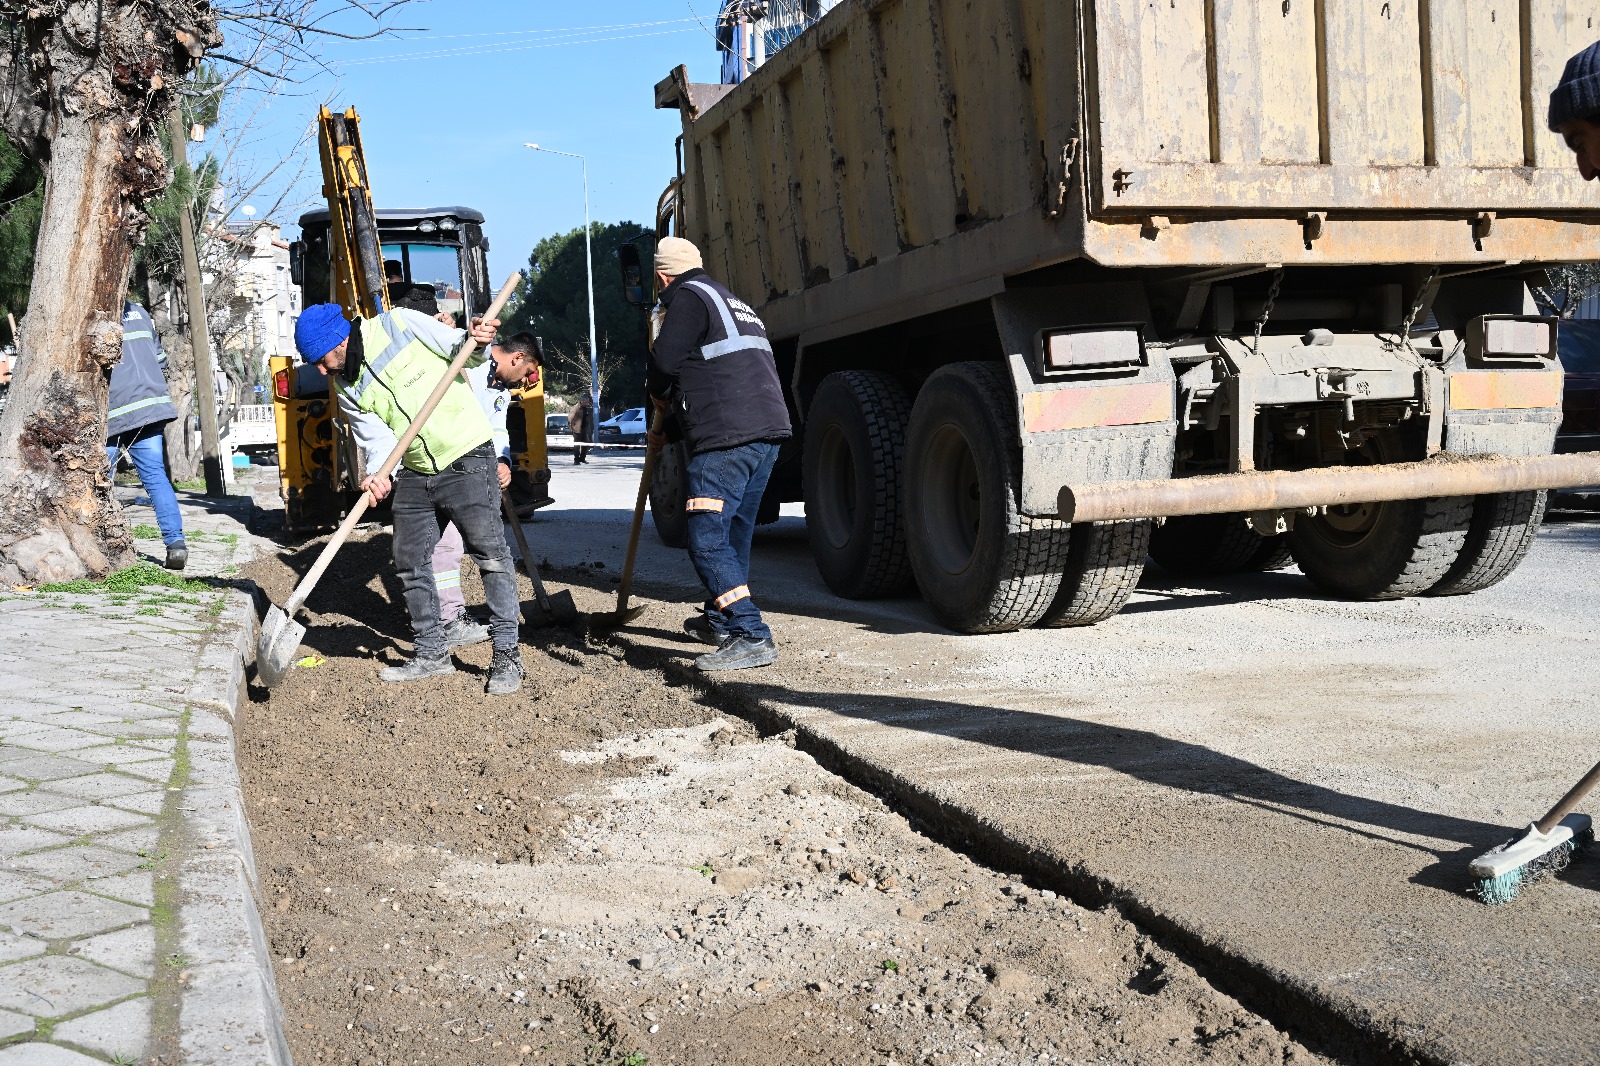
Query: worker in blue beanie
[(1575, 109), (382, 370)]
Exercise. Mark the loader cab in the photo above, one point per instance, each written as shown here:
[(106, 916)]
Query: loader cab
[(441, 249)]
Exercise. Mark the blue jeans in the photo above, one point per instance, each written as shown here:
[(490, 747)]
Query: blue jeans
[(467, 492), (725, 488), (144, 449)]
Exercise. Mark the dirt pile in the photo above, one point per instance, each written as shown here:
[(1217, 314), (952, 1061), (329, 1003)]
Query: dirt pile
[(605, 871)]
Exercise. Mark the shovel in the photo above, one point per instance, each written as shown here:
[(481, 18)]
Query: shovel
[(625, 614), (280, 633), (557, 610)]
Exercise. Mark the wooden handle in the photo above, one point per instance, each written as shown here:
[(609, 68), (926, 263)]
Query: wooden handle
[(626, 587), (522, 547), (457, 364), (1570, 800)]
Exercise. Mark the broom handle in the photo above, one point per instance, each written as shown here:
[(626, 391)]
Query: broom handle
[(1570, 800), (309, 582), (626, 587)]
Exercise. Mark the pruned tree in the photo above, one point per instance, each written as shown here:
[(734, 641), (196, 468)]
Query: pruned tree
[(1567, 288), (86, 92)]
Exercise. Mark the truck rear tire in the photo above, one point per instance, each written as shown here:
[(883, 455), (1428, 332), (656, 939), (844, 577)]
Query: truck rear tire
[(852, 476), (1382, 551), (1503, 527), (1206, 544), (669, 490), (1104, 563), (982, 565)]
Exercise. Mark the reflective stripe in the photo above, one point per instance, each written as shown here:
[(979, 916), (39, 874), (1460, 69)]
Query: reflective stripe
[(703, 504), (447, 579), (137, 405), (732, 596), (136, 335), (399, 336), (736, 341)]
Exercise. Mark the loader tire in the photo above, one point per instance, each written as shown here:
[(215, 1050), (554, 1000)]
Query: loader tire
[(1503, 527), (982, 566), (1382, 551), (669, 491), (1206, 544), (1104, 563), (855, 446)]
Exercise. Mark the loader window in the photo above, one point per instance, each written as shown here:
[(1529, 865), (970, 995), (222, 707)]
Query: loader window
[(431, 264)]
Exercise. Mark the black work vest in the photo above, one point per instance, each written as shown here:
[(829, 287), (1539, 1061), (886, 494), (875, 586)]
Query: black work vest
[(729, 393)]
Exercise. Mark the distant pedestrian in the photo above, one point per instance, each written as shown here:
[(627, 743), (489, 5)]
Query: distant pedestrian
[(579, 424), (139, 408), (1575, 109), (712, 364)]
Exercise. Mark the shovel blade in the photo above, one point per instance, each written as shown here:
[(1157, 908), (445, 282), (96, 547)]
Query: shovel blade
[(615, 619), (276, 648)]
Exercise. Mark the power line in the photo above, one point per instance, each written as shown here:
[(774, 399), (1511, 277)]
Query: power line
[(491, 49), (519, 33)]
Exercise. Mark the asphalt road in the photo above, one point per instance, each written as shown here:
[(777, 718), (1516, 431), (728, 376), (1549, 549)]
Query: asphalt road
[(1290, 784)]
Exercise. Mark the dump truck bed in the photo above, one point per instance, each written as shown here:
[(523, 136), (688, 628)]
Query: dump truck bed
[(906, 154)]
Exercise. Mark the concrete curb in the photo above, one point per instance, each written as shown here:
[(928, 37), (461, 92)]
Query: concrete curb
[(229, 1009), (1280, 998)]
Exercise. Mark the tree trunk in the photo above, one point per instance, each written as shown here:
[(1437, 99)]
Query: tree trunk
[(88, 94)]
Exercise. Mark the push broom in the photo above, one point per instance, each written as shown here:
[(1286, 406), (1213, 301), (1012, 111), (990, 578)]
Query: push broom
[(1547, 847)]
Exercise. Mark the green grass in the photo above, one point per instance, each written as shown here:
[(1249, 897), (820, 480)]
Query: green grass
[(129, 581), (197, 485), (143, 532)]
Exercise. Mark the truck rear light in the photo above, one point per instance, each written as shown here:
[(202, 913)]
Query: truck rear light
[(1099, 349), (1497, 338), (280, 385)]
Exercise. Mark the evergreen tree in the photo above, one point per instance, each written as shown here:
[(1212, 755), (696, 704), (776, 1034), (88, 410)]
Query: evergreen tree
[(21, 198)]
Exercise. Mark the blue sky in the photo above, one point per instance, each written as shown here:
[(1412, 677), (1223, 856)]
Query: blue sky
[(445, 112)]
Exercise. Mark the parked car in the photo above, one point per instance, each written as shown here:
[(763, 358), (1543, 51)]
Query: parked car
[(557, 433), (627, 428)]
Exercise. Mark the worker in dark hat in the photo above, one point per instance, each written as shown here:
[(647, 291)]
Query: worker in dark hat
[(712, 364), (1575, 109)]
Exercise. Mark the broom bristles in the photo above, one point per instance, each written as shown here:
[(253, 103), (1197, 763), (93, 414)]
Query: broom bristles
[(1505, 887)]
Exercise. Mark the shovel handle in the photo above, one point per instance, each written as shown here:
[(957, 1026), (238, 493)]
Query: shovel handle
[(626, 587), (309, 582), (522, 548)]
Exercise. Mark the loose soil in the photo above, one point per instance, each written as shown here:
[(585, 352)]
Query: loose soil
[(605, 870)]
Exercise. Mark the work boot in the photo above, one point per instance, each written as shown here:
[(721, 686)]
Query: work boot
[(505, 672), (700, 628), (739, 653), (177, 555), (417, 669), (463, 631)]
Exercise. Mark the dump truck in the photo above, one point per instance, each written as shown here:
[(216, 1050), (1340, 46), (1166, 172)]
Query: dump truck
[(340, 258), (1059, 285)]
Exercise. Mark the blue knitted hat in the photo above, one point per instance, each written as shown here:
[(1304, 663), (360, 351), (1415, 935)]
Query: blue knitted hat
[(319, 330), (1578, 95)]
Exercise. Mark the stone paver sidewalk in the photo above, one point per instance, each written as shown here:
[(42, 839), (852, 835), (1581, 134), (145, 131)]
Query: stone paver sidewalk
[(128, 929)]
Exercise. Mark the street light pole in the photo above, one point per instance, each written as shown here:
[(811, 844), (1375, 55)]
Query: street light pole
[(588, 266)]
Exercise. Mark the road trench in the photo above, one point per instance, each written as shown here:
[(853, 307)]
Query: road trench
[(618, 867)]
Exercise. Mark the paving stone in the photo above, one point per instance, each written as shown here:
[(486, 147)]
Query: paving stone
[(99, 786), (31, 1054), (14, 946), (16, 804), (121, 1032), (21, 839), (77, 863), (15, 885), (14, 1024), (83, 821), (54, 985), (156, 729), (159, 770), (137, 887), (67, 915), (54, 740), (83, 719), (134, 841), (131, 950), (31, 766), (143, 802), (118, 755)]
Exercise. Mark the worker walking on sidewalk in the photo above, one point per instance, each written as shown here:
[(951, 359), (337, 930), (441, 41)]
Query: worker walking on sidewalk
[(139, 408), (386, 366), (712, 363)]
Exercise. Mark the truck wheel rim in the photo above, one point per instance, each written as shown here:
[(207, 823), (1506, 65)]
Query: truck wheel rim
[(952, 511), (837, 485)]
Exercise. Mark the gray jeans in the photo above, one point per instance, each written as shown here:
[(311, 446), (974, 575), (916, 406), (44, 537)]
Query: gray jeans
[(467, 492)]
